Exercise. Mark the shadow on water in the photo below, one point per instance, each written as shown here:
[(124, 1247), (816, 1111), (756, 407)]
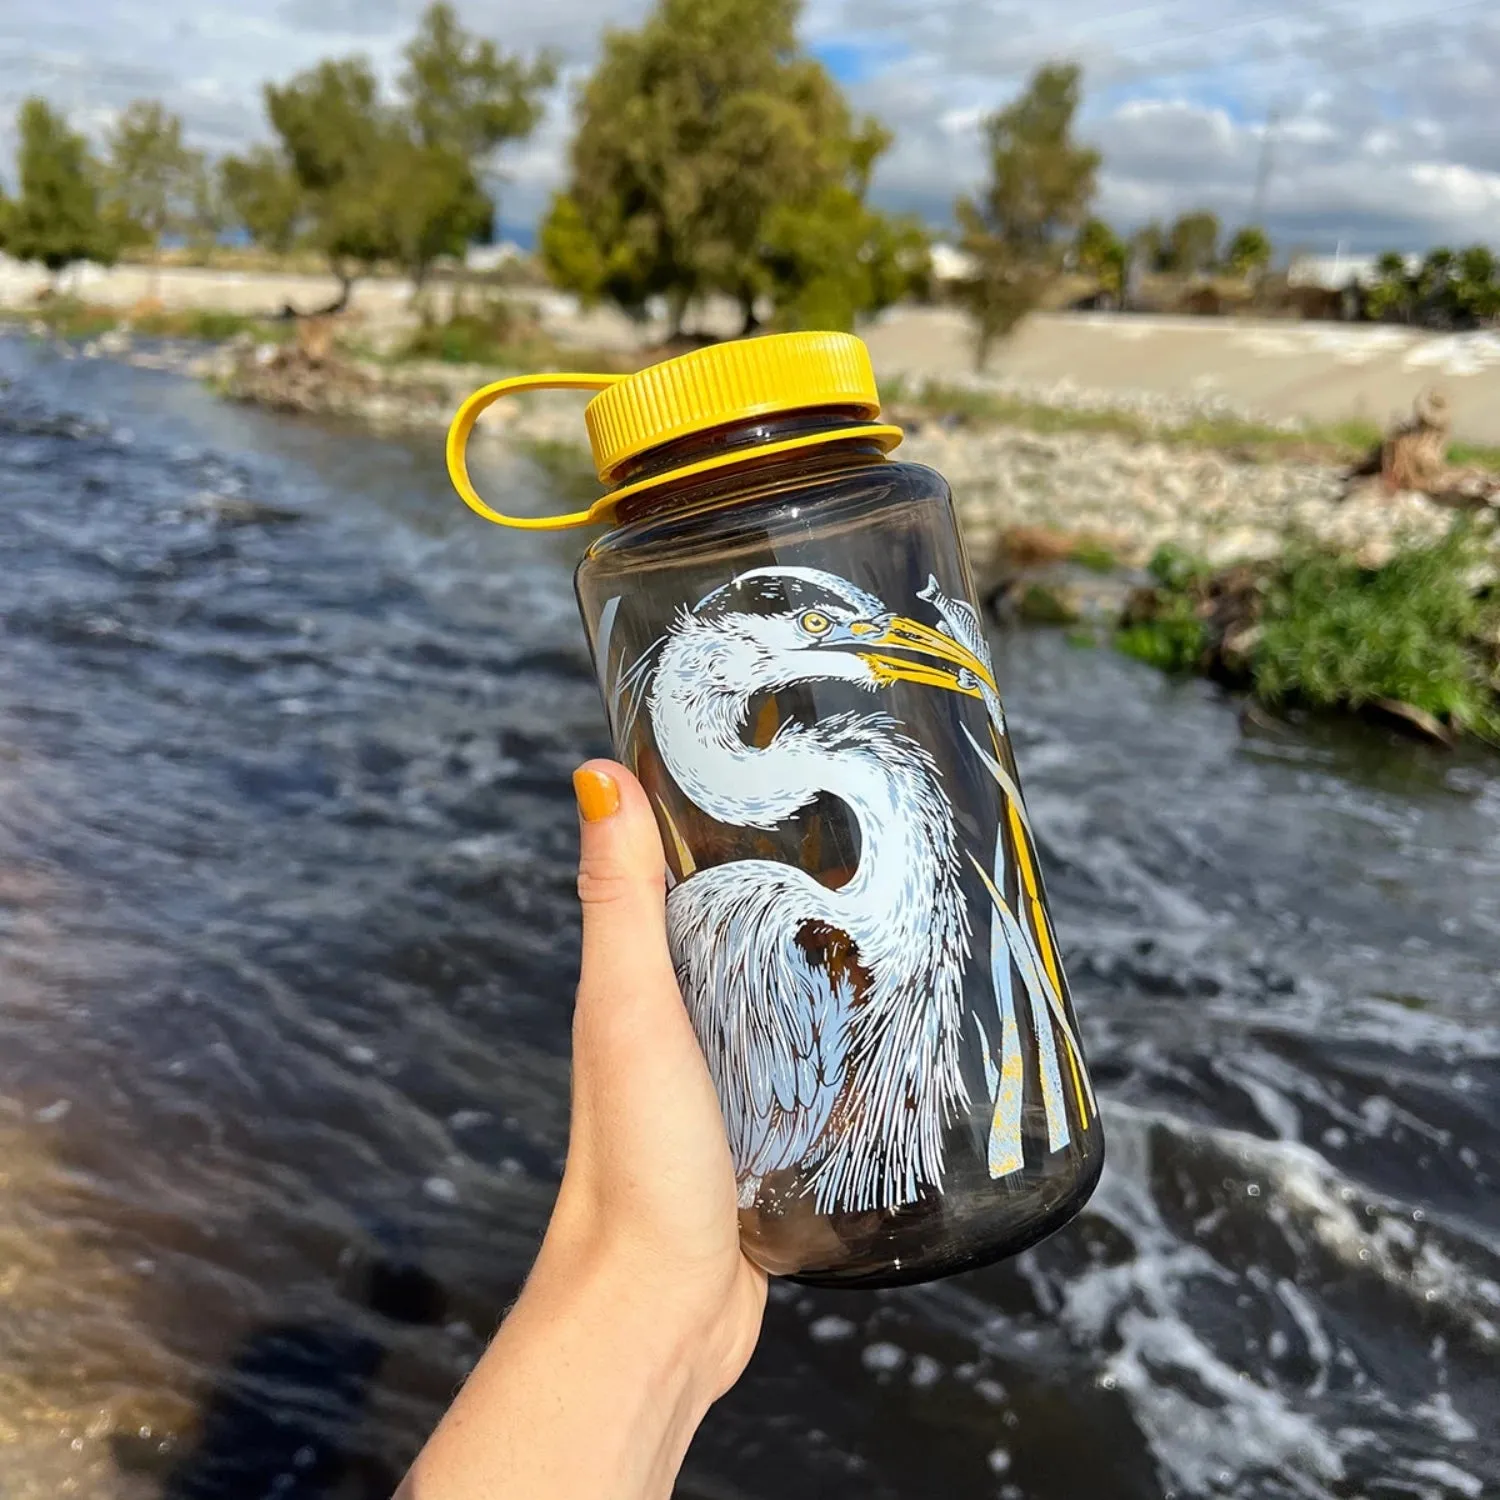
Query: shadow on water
[(284, 1418)]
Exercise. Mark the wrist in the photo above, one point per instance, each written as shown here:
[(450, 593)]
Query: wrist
[(658, 1329)]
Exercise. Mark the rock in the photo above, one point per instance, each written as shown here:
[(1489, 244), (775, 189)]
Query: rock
[(1042, 604), (1064, 593), (1413, 720)]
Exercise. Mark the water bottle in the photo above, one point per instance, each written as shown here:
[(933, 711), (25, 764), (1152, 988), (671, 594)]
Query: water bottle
[(792, 662)]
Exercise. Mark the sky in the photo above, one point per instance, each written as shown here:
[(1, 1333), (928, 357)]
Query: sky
[(1374, 122)]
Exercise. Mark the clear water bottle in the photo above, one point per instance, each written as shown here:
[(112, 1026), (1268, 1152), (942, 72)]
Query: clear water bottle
[(792, 661)]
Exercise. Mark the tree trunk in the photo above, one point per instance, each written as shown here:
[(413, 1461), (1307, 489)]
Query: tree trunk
[(752, 323), (346, 287), (676, 312), (419, 298)]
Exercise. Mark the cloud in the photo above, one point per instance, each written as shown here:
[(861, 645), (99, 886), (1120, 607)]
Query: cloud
[(1383, 112)]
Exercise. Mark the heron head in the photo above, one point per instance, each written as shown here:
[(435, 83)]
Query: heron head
[(775, 627)]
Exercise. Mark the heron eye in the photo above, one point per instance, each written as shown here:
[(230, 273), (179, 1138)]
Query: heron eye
[(815, 623)]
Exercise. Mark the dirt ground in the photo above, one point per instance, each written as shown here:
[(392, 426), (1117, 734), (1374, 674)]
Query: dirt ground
[(1320, 372)]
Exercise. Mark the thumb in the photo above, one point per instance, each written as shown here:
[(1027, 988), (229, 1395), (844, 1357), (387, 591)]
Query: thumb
[(622, 886)]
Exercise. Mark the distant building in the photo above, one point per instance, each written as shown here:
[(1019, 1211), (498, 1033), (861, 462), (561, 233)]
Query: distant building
[(949, 264), (1335, 273), (483, 258)]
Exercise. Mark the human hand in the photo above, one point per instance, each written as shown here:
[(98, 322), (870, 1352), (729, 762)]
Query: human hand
[(641, 1310), (649, 1189)]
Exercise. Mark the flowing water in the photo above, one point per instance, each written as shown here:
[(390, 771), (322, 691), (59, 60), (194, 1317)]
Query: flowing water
[(287, 939)]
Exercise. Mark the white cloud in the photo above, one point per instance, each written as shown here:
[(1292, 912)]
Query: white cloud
[(1385, 107)]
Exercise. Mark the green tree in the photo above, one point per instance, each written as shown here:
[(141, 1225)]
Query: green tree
[(56, 220), (713, 156), (366, 178), (1193, 245), (464, 95), (338, 142), (262, 195), (1476, 286), (835, 260), (1101, 253), (1249, 252), (149, 174), (464, 100), (1433, 287), (1392, 293), (208, 213), (1041, 182)]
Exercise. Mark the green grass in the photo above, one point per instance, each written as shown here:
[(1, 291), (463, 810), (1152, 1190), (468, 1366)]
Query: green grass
[(498, 337), (1171, 637), (1329, 442), (1094, 556), (1338, 635), (1174, 640), (1474, 455), (69, 318), (206, 324)]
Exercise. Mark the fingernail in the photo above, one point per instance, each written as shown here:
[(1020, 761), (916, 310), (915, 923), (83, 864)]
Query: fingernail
[(598, 796)]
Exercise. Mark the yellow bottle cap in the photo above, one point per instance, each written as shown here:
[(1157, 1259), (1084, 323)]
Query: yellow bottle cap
[(727, 383), (695, 393)]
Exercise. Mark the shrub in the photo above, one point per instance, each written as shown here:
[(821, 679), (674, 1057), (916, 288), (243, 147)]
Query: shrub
[(1337, 634)]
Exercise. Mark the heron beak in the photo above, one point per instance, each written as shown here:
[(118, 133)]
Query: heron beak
[(941, 663)]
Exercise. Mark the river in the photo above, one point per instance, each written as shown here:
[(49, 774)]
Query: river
[(287, 941)]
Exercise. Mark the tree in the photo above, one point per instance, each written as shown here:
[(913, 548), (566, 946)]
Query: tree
[(1392, 295), (1101, 253), (364, 178), (1476, 287), (1193, 246), (464, 99), (712, 156), (262, 195), (208, 212), (1040, 186), (464, 95), (337, 141), (150, 176), (1433, 288), (1249, 252), (836, 259), (56, 220)]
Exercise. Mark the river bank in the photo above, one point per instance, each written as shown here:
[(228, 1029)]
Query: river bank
[(1292, 371), (1121, 479), (1069, 500)]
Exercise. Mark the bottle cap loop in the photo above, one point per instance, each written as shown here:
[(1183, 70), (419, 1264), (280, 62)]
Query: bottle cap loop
[(695, 393)]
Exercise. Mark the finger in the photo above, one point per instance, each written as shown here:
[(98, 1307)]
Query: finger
[(622, 885)]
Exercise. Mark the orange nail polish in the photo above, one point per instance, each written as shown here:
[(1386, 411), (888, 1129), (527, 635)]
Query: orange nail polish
[(598, 796)]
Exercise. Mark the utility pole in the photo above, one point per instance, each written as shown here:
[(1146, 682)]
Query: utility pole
[(1263, 171)]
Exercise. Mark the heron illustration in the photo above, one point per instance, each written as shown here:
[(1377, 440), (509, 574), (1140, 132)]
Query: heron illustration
[(832, 1019)]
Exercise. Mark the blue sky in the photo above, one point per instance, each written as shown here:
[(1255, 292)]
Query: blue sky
[(1386, 127)]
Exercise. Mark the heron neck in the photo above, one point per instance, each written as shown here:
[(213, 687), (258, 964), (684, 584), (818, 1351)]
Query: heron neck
[(905, 829), (699, 735)]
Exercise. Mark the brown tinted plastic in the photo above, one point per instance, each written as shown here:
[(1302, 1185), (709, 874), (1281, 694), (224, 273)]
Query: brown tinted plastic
[(1018, 1147)]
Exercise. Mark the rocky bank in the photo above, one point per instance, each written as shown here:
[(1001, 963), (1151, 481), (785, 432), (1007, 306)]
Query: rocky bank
[(1023, 497)]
